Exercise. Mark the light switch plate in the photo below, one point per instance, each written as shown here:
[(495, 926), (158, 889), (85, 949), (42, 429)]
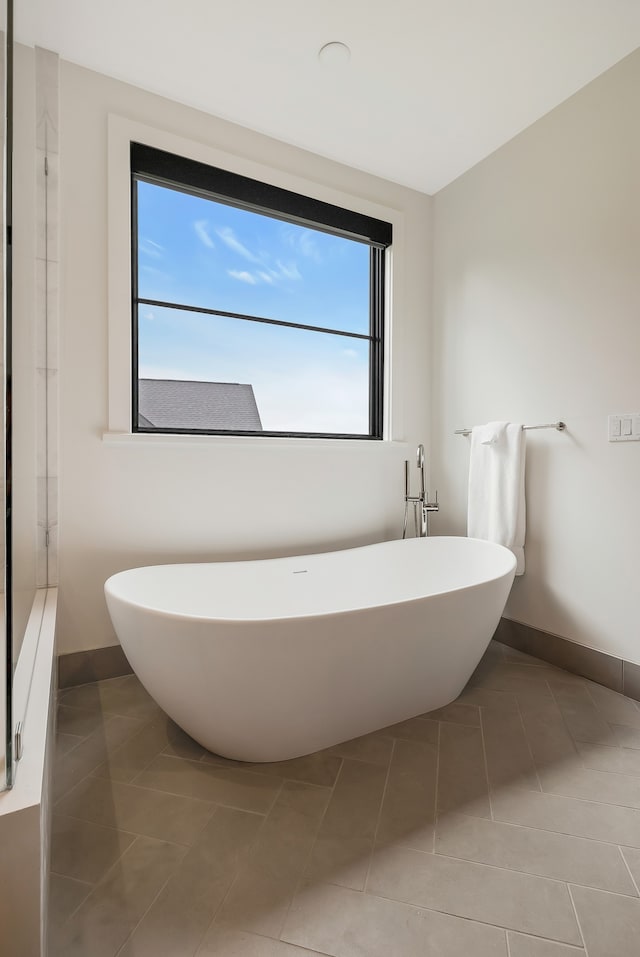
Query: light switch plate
[(624, 427)]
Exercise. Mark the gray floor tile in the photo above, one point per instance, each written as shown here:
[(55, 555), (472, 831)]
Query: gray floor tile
[(224, 941), (106, 918), (462, 775), (557, 856), (508, 899), (508, 757), (522, 946), (79, 721), (626, 737), (342, 849), (632, 857), (320, 768), (614, 707), (415, 729), (373, 748), (261, 894), (458, 713), (344, 923), (610, 923), (546, 733), (65, 896), (167, 817), (123, 696), (584, 721), (572, 780), (551, 812), (177, 920), (231, 787), (408, 809), (92, 752), (522, 684), (485, 698), (285, 849), (85, 851), (160, 734), (600, 757), (66, 743)]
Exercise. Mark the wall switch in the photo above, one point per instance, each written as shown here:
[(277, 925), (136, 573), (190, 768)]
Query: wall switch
[(624, 427)]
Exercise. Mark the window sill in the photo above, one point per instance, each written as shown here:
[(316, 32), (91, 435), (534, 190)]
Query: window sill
[(241, 441)]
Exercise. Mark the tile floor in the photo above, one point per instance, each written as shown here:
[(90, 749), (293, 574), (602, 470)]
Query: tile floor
[(504, 825)]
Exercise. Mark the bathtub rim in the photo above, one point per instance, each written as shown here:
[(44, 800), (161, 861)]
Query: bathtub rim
[(244, 622)]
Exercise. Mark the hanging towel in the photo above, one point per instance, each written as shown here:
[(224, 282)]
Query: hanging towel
[(496, 487)]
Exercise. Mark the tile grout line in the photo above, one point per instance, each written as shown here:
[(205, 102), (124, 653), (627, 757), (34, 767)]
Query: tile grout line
[(379, 817), (506, 938), (479, 920), (134, 834), (533, 827), (486, 767), (566, 726), (508, 870), (98, 883), (575, 911), (633, 880), (529, 749), (161, 889), (525, 933), (233, 882), (304, 868), (437, 782)]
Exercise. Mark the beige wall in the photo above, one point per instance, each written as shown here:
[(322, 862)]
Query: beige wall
[(536, 318), (149, 502)]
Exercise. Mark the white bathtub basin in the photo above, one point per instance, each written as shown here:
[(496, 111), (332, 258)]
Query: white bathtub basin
[(268, 660)]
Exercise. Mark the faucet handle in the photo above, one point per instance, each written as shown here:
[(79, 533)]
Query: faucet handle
[(432, 506)]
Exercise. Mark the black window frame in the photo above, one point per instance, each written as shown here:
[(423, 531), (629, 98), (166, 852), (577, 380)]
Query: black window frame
[(161, 168)]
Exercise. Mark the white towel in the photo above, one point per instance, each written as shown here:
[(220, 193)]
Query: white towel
[(496, 487)]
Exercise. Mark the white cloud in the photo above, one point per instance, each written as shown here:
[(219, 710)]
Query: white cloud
[(243, 276), (202, 233), (302, 241), (350, 353), (265, 277), (228, 237), (151, 248), (288, 271)]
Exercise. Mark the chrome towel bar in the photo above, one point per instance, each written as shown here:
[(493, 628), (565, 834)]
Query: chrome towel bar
[(560, 426)]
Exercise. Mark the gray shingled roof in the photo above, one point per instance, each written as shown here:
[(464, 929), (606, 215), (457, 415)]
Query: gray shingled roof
[(182, 404)]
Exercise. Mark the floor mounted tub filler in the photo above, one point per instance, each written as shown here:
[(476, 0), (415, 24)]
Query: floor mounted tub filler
[(268, 660)]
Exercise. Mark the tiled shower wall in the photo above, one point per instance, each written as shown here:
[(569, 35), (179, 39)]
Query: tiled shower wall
[(47, 286)]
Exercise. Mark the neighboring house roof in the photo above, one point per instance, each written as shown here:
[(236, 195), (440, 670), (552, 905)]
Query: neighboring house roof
[(183, 404)]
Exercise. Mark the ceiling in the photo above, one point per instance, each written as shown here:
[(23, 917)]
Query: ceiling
[(432, 86)]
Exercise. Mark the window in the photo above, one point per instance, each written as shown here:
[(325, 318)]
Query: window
[(255, 310)]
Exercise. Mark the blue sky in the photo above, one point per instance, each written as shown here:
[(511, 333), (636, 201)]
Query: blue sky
[(203, 253)]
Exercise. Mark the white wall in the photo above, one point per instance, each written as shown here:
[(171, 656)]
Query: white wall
[(24, 411), (536, 318), (141, 503)]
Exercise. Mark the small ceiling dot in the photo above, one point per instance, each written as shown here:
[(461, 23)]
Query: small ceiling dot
[(334, 54)]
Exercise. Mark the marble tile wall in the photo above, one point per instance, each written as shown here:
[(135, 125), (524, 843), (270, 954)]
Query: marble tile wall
[(47, 307)]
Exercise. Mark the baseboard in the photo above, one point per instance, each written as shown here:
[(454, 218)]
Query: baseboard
[(81, 667), (615, 673)]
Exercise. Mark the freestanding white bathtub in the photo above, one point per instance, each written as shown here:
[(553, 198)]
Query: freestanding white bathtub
[(272, 659)]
